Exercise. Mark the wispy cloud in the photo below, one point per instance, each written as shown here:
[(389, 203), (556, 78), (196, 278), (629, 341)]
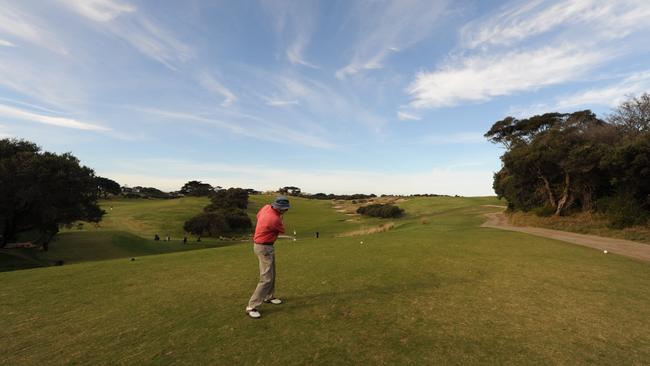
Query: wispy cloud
[(481, 78), (125, 22), (211, 84), (389, 26), (17, 113), (293, 22), (4, 43), (608, 95), (604, 19), (101, 10), (529, 45), (22, 26), (249, 126), (405, 116), (281, 103)]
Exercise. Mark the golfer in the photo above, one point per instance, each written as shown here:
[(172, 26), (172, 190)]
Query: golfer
[(269, 226)]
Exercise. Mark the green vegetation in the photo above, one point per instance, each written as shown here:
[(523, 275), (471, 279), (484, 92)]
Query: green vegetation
[(436, 289), (226, 214), (384, 211), (40, 191), (557, 164)]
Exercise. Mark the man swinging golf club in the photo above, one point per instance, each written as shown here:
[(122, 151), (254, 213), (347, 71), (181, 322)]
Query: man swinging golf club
[(269, 226)]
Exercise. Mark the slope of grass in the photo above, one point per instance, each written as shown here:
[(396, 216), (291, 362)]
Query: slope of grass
[(443, 292)]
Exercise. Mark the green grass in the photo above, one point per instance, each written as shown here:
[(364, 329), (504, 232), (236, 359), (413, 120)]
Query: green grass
[(440, 292)]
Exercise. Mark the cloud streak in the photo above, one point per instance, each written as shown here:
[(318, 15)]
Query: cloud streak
[(387, 27), (530, 45), (17, 113), (481, 78)]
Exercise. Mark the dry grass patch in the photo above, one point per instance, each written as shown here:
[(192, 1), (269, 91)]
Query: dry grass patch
[(369, 230), (583, 223)]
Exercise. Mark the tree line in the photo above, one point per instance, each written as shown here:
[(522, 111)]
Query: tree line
[(560, 163)]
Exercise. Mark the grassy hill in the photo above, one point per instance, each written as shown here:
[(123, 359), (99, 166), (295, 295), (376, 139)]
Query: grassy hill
[(435, 289)]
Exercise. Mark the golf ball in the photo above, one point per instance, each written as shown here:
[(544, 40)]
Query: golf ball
[(294, 239), (362, 242), (604, 251)]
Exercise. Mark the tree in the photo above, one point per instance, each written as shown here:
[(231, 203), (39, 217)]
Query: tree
[(633, 115), (225, 214), (291, 190), (40, 191), (228, 198), (107, 186), (197, 188), (207, 223)]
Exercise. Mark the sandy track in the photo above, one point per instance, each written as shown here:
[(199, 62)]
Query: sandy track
[(628, 248)]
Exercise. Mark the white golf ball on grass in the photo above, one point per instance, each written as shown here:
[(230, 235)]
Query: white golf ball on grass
[(605, 251)]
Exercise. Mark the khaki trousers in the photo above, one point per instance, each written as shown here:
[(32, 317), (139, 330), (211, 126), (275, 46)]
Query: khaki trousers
[(265, 289)]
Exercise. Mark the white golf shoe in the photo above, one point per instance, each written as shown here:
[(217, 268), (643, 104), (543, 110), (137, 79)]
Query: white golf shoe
[(253, 313), (273, 301)]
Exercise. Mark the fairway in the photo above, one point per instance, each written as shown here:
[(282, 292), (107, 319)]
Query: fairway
[(435, 289)]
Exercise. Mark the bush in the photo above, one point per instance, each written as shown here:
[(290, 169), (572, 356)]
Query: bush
[(209, 223), (622, 211), (380, 210), (544, 211)]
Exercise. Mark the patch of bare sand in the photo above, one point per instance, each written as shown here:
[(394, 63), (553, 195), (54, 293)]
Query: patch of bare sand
[(628, 248)]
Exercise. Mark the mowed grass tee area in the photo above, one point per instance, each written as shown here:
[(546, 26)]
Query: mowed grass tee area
[(436, 289)]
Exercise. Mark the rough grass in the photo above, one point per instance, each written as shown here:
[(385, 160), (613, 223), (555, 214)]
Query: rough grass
[(583, 223), (447, 292)]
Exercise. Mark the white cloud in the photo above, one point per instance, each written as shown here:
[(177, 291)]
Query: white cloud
[(461, 180), (281, 103), (17, 113), (609, 95), (20, 25), (211, 84), (528, 45), (481, 78), (516, 22), (293, 21), (100, 10), (389, 26), (4, 43), (125, 22), (405, 116)]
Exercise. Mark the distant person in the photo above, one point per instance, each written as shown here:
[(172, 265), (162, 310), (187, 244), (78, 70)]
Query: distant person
[(169, 238), (269, 226), (156, 237), (185, 240), (198, 239), (317, 234)]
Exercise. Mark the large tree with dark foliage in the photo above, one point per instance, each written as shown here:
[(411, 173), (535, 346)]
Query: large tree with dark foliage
[(40, 191), (225, 214), (197, 188), (556, 163), (108, 186)]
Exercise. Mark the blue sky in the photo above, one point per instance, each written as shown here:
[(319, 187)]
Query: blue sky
[(330, 96)]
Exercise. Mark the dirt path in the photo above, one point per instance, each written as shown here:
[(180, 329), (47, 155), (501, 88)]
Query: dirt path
[(498, 220)]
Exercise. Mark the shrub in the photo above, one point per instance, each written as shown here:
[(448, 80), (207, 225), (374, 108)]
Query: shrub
[(622, 211), (380, 210), (209, 223)]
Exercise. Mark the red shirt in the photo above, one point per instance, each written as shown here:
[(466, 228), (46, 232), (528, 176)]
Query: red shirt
[(269, 225)]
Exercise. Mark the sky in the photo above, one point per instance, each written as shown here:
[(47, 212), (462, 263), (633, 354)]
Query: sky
[(368, 96)]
